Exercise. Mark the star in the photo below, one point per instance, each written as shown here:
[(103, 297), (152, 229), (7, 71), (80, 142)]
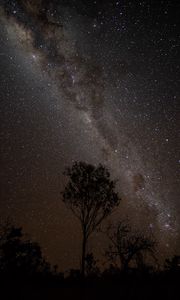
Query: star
[(84, 83)]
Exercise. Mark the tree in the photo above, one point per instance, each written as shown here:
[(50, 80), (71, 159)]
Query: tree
[(91, 196), (128, 246), (20, 258)]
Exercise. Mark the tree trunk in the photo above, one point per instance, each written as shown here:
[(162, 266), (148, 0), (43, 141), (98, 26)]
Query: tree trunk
[(124, 265), (84, 241)]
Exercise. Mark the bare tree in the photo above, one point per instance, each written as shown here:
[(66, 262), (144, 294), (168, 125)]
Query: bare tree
[(91, 196), (128, 246)]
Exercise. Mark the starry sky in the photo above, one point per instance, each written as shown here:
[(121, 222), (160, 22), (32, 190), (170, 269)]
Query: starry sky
[(97, 81)]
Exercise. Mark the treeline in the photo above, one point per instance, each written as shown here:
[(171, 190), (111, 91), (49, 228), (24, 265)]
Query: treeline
[(22, 260), (92, 197)]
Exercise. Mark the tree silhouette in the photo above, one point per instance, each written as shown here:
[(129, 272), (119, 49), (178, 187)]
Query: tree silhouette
[(128, 246), (20, 258), (91, 196)]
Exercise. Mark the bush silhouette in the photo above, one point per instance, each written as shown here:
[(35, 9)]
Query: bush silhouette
[(20, 258)]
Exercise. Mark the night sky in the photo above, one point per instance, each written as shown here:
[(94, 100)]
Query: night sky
[(95, 81)]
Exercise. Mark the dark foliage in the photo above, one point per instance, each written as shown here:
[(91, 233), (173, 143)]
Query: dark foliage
[(26, 275), (21, 259)]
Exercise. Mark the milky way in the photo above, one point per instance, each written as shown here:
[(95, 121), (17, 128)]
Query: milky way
[(97, 82)]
